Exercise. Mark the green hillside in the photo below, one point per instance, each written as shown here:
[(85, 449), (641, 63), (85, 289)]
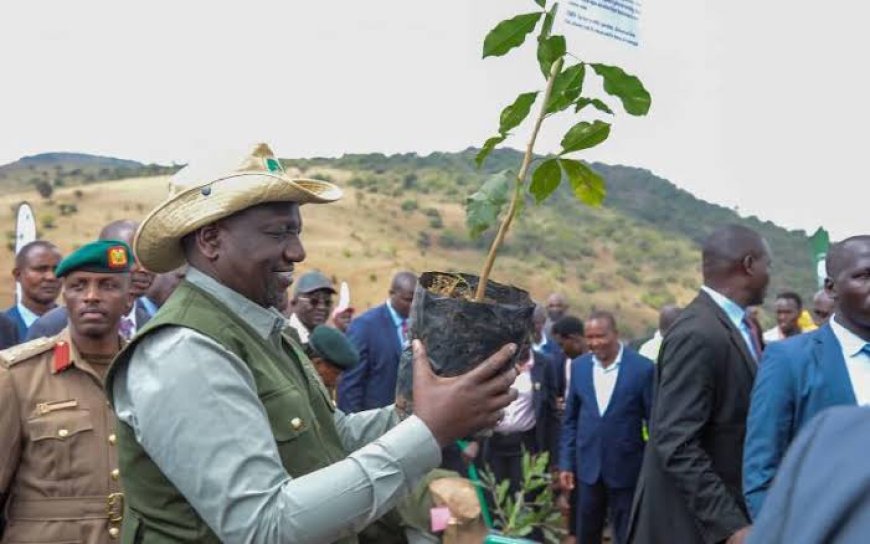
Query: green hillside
[(48, 171), (631, 256), (645, 239)]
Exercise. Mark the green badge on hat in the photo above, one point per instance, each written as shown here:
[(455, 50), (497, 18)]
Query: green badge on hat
[(273, 165), (102, 256)]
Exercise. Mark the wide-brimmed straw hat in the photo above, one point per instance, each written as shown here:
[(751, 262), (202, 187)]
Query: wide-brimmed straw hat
[(197, 200)]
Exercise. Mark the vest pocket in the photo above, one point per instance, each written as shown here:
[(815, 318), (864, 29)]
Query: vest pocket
[(289, 414)]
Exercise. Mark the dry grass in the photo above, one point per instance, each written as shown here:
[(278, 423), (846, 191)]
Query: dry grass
[(363, 240)]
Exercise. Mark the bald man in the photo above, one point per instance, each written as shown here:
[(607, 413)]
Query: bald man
[(808, 373), (690, 484), (56, 320), (379, 336), (823, 307)]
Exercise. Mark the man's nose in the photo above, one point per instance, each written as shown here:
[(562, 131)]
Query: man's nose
[(294, 252)]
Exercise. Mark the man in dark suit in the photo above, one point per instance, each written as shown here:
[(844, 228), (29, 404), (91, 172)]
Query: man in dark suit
[(8, 332), (801, 376), (34, 271), (822, 490), (378, 335), (530, 422), (602, 444), (690, 485)]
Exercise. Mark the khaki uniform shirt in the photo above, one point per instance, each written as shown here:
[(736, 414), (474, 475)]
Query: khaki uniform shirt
[(58, 461)]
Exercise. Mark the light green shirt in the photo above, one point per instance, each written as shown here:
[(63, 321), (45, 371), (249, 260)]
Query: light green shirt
[(193, 407)]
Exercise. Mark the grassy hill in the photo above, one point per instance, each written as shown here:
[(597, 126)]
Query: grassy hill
[(405, 212), (48, 171)]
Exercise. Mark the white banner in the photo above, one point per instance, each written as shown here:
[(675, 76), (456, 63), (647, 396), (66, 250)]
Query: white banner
[(25, 232), (615, 19)]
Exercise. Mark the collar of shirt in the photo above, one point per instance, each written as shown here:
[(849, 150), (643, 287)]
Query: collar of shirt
[(733, 310), (265, 321), (539, 345), (26, 315), (299, 327), (851, 343), (149, 305), (394, 315), (614, 365)]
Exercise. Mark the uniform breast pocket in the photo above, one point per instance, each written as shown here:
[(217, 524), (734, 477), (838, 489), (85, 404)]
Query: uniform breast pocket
[(62, 444)]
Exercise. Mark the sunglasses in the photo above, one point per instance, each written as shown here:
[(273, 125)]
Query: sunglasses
[(326, 301)]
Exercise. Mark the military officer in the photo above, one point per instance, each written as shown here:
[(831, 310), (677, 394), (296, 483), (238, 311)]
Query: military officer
[(59, 477)]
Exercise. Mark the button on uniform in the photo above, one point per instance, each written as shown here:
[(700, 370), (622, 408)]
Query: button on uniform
[(63, 433), (296, 423), (113, 439), (115, 474), (114, 532)]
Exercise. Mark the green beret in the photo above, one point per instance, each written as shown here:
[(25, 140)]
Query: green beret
[(103, 256), (333, 346)]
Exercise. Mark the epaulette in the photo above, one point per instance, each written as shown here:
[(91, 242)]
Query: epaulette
[(14, 355)]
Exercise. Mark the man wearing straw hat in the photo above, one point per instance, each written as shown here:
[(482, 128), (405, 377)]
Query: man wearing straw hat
[(225, 431)]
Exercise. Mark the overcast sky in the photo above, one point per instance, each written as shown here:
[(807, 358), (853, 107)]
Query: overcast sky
[(758, 105)]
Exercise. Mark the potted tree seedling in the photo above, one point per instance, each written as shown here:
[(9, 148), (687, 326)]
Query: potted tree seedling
[(463, 318)]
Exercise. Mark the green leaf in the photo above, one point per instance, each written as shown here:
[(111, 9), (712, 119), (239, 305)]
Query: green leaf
[(549, 51), (582, 102), (547, 27), (545, 180), (588, 186), (501, 491), (566, 88), (487, 148), (584, 135), (509, 33), (516, 113), (483, 207), (635, 98), (541, 3)]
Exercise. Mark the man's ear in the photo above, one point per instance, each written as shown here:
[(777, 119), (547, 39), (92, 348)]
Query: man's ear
[(16, 273), (830, 288), (208, 241), (748, 263)]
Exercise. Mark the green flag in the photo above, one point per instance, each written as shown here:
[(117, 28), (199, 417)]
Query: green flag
[(819, 242)]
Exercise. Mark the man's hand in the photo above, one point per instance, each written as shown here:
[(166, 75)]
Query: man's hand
[(566, 480), (462, 405), (740, 536)]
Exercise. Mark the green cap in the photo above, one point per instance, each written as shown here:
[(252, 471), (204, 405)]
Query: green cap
[(312, 281), (103, 256), (333, 346)]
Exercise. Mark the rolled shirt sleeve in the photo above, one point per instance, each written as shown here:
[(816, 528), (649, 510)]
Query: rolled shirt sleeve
[(193, 407)]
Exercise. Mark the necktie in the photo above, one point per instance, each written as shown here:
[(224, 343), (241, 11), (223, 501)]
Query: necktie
[(753, 337), (126, 328), (404, 331)]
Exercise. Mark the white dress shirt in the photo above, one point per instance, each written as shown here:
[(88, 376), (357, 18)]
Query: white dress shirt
[(519, 416), (604, 380), (857, 361)]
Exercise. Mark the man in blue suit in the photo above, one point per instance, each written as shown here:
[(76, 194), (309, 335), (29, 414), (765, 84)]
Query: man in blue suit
[(822, 491), (378, 335), (601, 447), (801, 376), (34, 271)]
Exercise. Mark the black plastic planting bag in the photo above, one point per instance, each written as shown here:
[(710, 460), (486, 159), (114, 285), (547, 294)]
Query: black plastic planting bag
[(459, 333)]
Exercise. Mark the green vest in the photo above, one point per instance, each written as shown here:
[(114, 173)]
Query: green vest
[(300, 414)]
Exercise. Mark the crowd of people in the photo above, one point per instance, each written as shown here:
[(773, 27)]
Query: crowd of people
[(173, 381)]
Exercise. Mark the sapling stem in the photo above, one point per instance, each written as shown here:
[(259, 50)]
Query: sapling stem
[(518, 187)]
